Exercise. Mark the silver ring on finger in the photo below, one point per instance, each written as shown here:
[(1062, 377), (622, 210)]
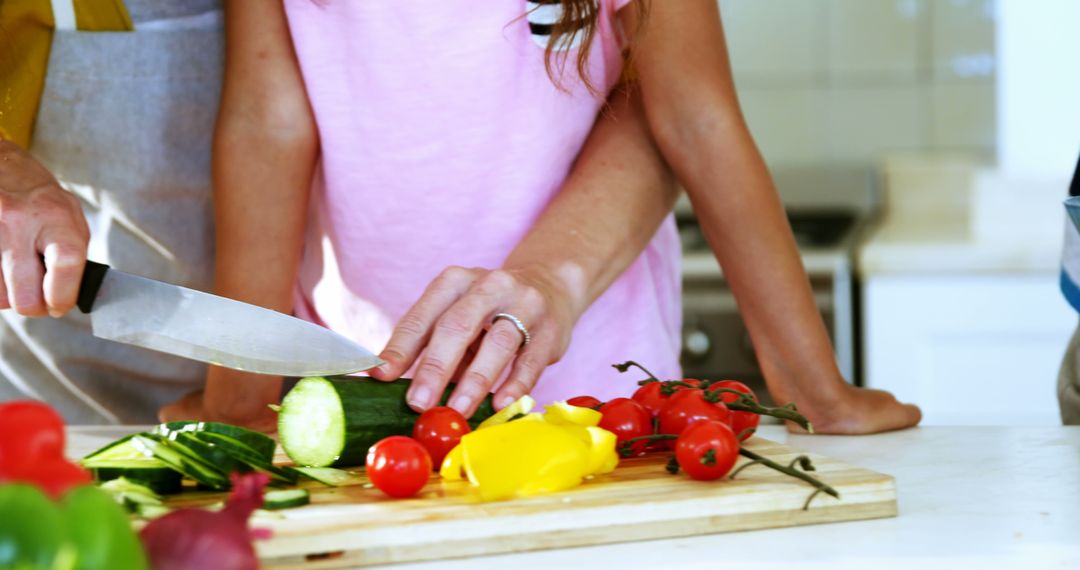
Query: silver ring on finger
[(526, 337)]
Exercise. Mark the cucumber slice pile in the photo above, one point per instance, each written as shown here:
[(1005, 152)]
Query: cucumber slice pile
[(204, 452)]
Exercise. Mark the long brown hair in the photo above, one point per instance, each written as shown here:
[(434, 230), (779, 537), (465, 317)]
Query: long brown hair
[(580, 17)]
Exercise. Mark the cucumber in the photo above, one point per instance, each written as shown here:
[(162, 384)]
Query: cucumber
[(176, 456), (263, 444), (285, 499), (155, 475), (223, 462), (132, 495), (333, 421), (327, 475), (119, 450), (240, 452)]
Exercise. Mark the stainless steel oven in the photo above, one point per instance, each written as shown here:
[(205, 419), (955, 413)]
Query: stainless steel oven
[(828, 209)]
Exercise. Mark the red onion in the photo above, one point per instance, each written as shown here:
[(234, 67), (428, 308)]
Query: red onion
[(195, 539)]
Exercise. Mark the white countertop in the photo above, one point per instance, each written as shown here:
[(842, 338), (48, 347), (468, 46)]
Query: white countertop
[(949, 214), (947, 246), (969, 497)]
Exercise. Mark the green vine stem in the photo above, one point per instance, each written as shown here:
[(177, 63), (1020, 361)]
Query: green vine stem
[(626, 366), (820, 487), (626, 447), (747, 404)]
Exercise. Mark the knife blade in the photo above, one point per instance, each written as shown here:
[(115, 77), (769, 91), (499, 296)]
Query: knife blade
[(200, 326)]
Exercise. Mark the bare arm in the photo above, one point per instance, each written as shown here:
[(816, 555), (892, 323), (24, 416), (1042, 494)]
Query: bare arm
[(265, 147), (691, 105), (609, 208)]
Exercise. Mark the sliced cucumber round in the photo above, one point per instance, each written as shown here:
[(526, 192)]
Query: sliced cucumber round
[(261, 443), (286, 499)]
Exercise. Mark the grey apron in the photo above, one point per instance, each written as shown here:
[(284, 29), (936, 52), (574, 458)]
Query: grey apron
[(125, 123)]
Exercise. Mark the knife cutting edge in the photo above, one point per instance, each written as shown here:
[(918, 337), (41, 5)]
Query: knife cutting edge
[(200, 326)]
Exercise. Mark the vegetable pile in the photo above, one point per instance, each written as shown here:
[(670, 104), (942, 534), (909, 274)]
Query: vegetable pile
[(517, 452), (54, 519)]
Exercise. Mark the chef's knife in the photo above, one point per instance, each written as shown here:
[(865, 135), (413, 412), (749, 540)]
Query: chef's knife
[(168, 318)]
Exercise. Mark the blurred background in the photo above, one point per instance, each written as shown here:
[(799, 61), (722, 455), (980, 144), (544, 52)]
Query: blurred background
[(923, 149)]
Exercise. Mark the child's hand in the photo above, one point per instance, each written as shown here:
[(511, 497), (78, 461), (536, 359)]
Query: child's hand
[(860, 411), (455, 313), (230, 397)]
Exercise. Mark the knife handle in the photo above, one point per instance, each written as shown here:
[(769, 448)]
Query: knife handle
[(92, 277)]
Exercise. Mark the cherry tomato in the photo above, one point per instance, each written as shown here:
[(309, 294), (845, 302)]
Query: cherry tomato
[(55, 476), (584, 402), (627, 419), (399, 466), (439, 430), (651, 397), (686, 407), (707, 450), (30, 432), (742, 423)]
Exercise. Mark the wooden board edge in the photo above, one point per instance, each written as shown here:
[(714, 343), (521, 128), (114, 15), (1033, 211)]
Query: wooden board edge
[(570, 538)]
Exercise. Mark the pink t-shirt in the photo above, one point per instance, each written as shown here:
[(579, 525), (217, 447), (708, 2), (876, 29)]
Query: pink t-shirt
[(443, 139)]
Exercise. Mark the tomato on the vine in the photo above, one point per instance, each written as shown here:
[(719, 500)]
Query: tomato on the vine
[(398, 466), (707, 450), (30, 432), (742, 423), (439, 430), (627, 419), (685, 407), (651, 397), (584, 402)]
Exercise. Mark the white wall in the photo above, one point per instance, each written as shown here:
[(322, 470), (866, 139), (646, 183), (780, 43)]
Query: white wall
[(1038, 87)]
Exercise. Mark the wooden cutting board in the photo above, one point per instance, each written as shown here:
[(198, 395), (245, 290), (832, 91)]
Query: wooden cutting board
[(357, 526)]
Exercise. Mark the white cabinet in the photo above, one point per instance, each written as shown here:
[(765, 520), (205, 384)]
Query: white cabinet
[(969, 349)]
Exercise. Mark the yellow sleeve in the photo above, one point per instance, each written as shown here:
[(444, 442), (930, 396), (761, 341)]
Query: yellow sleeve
[(25, 39)]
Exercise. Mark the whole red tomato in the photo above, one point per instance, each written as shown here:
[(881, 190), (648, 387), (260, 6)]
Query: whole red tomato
[(651, 397), (584, 402), (686, 407), (742, 423), (439, 430), (30, 432), (707, 450), (398, 466), (627, 419)]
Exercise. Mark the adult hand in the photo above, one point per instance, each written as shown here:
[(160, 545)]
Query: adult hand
[(43, 238), (455, 313), (856, 411)]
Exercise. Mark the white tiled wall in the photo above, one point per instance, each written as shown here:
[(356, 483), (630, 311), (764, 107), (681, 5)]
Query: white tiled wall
[(844, 81)]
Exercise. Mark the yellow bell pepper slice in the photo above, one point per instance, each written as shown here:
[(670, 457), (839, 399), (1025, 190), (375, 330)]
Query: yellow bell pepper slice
[(524, 458), (522, 405), (453, 465), (536, 453), (602, 455), (561, 413)]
